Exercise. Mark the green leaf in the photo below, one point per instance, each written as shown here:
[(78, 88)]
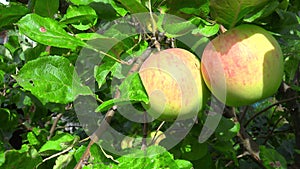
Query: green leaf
[(152, 157), (205, 28), (134, 6), (271, 158), (131, 91), (2, 80), (47, 31), (190, 7), (64, 160), (8, 119), (26, 158), (230, 12), (51, 79), (46, 8), (226, 129), (183, 164), (32, 139), (11, 14), (174, 26), (58, 143), (264, 12), (82, 2), (89, 36), (120, 10), (192, 150), (101, 72), (81, 18)]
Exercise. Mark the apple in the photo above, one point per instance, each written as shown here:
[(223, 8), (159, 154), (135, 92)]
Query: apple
[(173, 82), (243, 65)]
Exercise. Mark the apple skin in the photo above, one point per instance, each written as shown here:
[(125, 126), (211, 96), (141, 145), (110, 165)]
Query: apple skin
[(173, 82), (243, 65)]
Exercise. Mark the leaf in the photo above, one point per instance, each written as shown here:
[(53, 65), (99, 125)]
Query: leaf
[(2, 79), (190, 7), (63, 160), (183, 164), (46, 8), (51, 79), (264, 12), (174, 26), (11, 14), (271, 158), (230, 12), (47, 31), (8, 119), (226, 129), (101, 72), (192, 150), (58, 143), (131, 91), (26, 158), (134, 6), (89, 36), (120, 10), (205, 28), (152, 157), (81, 18), (82, 2)]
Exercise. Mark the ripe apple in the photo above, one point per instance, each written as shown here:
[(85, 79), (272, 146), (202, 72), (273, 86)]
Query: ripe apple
[(173, 82), (243, 65)]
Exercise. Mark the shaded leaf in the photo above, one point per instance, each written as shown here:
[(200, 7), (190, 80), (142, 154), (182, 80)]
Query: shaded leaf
[(47, 31), (272, 159), (8, 119), (134, 6), (264, 12), (46, 8), (174, 26), (26, 158), (82, 17), (230, 12), (11, 14)]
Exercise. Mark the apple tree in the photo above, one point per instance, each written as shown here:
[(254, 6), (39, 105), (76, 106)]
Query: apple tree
[(150, 84)]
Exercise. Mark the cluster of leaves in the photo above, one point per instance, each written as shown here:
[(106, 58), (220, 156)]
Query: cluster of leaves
[(42, 41)]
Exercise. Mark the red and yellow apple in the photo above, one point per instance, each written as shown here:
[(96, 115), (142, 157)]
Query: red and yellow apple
[(173, 82), (243, 65)]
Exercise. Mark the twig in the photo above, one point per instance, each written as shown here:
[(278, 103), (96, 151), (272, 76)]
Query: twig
[(109, 156), (57, 154), (145, 130), (110, 113), (267, 108), (273, 129), (242, 116), (54, 125), (154, 137), (248, 143), (239, 156)]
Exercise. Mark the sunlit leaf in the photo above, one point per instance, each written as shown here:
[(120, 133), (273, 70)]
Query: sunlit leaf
[(51, 79), (47, 31)]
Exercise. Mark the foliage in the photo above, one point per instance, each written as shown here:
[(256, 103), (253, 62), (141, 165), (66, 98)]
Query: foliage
[(55, 52)]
